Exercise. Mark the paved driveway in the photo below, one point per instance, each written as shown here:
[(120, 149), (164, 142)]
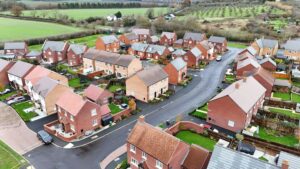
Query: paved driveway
[(14, 132)]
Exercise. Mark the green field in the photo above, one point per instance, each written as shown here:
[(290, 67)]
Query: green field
[(79, 14), (14, 29), (9, 159)]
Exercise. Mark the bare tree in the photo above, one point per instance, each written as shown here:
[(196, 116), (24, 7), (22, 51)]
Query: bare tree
[(16, 10)]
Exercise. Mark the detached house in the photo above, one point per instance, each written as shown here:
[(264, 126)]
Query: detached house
[(78, 116), (17, 73), (127, 65), (157, 52), (193, 57), (109, 43), (4, 67), (147, 84), (266, 47), (191, 39), (138, 49), (98, 95), (292, 49), (19, 49), (75, 54), (143, 34), (246, 67), (177, 71), (239, 101), (207, 50), (178, 53), (168, 38), (219, 43), (129, 38), (55, 51), (268, 64)]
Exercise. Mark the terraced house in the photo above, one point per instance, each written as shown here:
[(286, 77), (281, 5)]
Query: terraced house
[(105, 61), (17, 73), (168, 38), (55, 51), (219, 43), (265, 47), (157, 52), (109, 43), (292, 49), (191, 39), (127, 65), (89, 60), (19, 49), (75, 54)]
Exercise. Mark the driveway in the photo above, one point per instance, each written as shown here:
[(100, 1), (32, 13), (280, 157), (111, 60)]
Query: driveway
[(14, 132)]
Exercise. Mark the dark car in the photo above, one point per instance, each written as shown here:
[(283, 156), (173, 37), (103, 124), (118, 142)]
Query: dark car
[(246, 148), (44, 137)]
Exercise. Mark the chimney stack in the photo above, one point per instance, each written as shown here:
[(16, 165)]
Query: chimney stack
[(237, 85), (285, 164), (141, 119)]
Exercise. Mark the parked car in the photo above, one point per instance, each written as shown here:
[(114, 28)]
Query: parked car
[(44, 137), (16, 100), (5, 91), (219, 58), (124, 106), (246, 148)]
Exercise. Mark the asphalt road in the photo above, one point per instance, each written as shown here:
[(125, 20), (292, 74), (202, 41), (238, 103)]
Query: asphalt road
[(88, 156)]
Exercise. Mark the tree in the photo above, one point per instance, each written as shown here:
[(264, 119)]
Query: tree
[(118, 14), (16, 10), (33, 13), (150, 13)]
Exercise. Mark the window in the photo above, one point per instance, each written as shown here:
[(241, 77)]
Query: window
[(134, 162), (72, 127), (132, 148), (144, 156), (66, 114), (158, 164), (230, 123), (93, 112), (71, 118), (95, 123)]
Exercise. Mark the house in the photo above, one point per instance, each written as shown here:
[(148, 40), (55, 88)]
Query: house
[(88, 60), (153, 40), (246, 67), (192, 57), (19, 49), (292, 49), (147, 84), (55, 51), (167, 38), (109, 43), (143, 34), (138, 49), (17, 73), (239, 101), (265, 78), (219, 43), (129, 38), (4, 67), (151, 147), (75, 54), (177, 70), (207, 50), (226, 158), (105, 61), (265, 47), (178, 53), (268, 64), (157, 52), (192, 39), (288, 160), (127, 65), (34, 55), (45, 92), (249, 52), (76, 115), (178, 43), (97, 94)]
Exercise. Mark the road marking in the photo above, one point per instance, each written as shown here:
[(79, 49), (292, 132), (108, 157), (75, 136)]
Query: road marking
[(68, 146), (94, 137)]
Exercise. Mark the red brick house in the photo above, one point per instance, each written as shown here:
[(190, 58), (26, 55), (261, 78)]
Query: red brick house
[(207, 50), (19, 49), (143, 34), (55, 51), (97, 94), (138, 49), (197, 158), (246, 67), (109, 43), (268, 64), (167, 38), (4, 67), (129, 38), (239, 101), (219, 43), (177, 70), (192, 39), (266, 79), (75, 54), (77, 116), (178, 43), (157, 52), (178, 53), (193, 57)]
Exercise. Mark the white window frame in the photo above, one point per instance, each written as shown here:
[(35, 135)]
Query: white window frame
[(71, 117), (94, 122), (132, 148), (93, 112), (134, 162), (231, 123), (144, 155), (72, 127), (158, 164)]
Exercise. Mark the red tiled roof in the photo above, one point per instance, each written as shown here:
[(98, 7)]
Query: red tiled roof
[(105, 110), (197, 158), (94, 93), (36, 74), (265, 75), (71, 102)]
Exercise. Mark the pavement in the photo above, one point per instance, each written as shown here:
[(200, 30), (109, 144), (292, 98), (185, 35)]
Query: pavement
[(90, 152)]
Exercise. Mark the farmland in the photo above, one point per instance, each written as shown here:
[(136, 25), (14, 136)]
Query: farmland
[(79, 14), (14, 29)]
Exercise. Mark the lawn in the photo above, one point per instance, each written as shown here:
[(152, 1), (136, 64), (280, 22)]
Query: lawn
[(285, 112), (229, 78), (9, 159), (200, 115), (19, 107), (79, 14), (282, 96), (204, 108), (3, 97), (114, 108), (295, 98), (237, 45), (114, 88), (194, 138), (14, 29), (271, 136), (75, 83)]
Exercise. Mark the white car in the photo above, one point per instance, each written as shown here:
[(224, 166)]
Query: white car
[(16, 100), (219, 58), (5, 91)]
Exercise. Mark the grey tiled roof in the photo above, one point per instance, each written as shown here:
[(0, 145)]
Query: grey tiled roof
[(44, 86), (225, 158), (217, 39), (109, 39), (125, 60), (131, 36), (154, 39), (179, 52), (293, 45), (141, 47), (178, 63), (196, 52), (267, 59), (33, 53), (107, 57), (266, 43), (14, 45), (57, 46), (3, 64), (282, 82), (252, 50), (294, 161), (152, 75), (20, 69), (179, 41), (193, 36), (77, 48), (139, 31), (169, 35), (156, 48), (90, 53)]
